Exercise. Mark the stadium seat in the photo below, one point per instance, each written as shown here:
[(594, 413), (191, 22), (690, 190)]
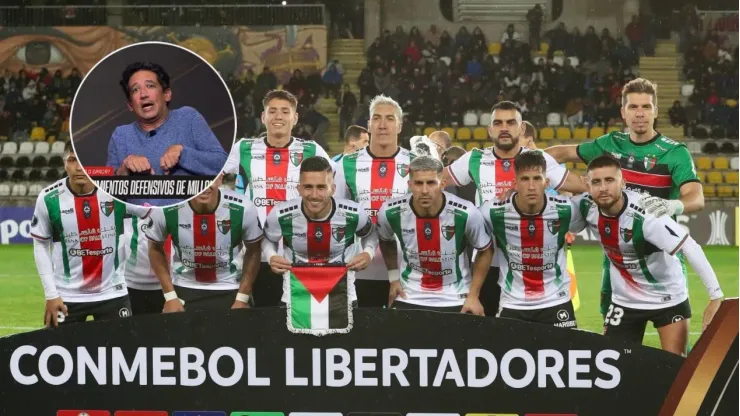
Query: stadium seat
[(728, 148), (56, 161), (458, 144), (721, 163), (544, 47), (553, 119), (731, 178), (19, 189), (702, 176), (6, 162), (714, 177), (35, 189), (693, 147), (563, 133), (613, 128), (558, 59), (38, 161), (52, 175), (725, 191), (480, 133), (687, 90), (38, 134), (470, 119), (57, 148), (22, 162), (494, 48), (449, 130), (429, 130), (18, 175), (471, 145), (542, 145), (10, 148), (710, 148), (484, 119), (4, 175), (595, 132), (718, 132), (580, 133), (41, 148), (734, 163), (26, 148), (699, 132), (710, 191), (4, 189), (34, 175), (703, 163), (547, 133), (463, 133), (574, 61)]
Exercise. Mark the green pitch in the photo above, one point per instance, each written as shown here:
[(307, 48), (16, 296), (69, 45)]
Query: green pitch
[(22, 304)]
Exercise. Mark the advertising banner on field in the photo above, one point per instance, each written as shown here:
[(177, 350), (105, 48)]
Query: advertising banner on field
[(391, 361), (15, 225)]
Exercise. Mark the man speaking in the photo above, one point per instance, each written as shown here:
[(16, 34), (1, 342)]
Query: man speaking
[(161, 141)]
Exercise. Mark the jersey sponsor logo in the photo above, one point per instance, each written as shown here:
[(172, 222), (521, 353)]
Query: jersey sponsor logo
[(403, 169), (363, 170), (382, 169), (204, 226), (296, 158), (512, 227), (649, 162), (428, 230), (339, 232), (408, 231), (553, 226), (519, 267), (224, 226), (185, 226), (448, 231), (563, 315), (86, 209), (264, 202), (81, 252), (106, 207), (626, 234), (68, 211)]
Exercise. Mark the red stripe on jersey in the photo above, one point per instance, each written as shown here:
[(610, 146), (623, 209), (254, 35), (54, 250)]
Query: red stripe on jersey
[(168, 249), (383, 173), (88, 226), (504, 175), (204, 253), (319, 242), (276, 172), (532, 237), (430, 253), (610, 240), (646, 179)]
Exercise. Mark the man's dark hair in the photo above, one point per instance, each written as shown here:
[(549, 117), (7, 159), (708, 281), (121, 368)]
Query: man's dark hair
[(315, 164), (162, 77), (354, 133), (452, 154), (530, 160), (604, 161), (280, 95), (68, 147), (504, 105), (529, 130)]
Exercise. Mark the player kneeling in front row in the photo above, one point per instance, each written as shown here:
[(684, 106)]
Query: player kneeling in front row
[(529, 230), (648, 282), (76, 230), (319, 229), (434, 229), (207, 233)]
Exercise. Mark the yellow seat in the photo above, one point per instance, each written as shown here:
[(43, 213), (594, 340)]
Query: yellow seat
[(449, 130), (547, 133), (595, 132), (38, 133), (703, 163), (613, 128), (463, 133), (542, 145), (494, 48), (458, 144), (725, 191), (580, 133), (714, 177), (710, 191), (429, 130), (731, 178), (471, 146), (563, 133), (702, 176), (544, 47), (721, 163), (480, 133)]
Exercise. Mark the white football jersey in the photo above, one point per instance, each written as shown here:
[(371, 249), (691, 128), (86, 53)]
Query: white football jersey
[(85, 231), (433, 261), (136, 268)]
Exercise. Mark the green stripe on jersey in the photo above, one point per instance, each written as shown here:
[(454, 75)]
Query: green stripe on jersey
[(236, 216), (350, 175), (474, 171), (286, 228), (57, 228), (134, 241), (350, 228), (393, 216), (564, 216), (245, 159), (638, 242), (119, 212), (499, 231), (461, 220), (309, 150)]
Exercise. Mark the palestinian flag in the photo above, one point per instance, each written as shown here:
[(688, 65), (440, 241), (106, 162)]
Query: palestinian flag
[(318, 303)]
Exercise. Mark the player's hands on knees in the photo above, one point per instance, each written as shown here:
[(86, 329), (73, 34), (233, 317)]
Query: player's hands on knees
[(174, 305), (395, 291), (472, 305), (359, 261), (709, 312), (171, 157), (280, 264), (505, 195), (137, 164), (54, 307)]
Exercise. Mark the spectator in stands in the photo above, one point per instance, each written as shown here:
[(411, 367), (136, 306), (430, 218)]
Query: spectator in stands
[(332, 79), (412, 52), (446, 46), (433, 35), (592, 45), (534, 18), (677, 114), (266, 81), (575, 45), (558, 38), (347, 105), (474, 69), (509, 42), (400, 36), (574, 112), (463, 38), (74, 79), (382, 81), (622, 56), (296, 83), (415, 36), (634, 34)]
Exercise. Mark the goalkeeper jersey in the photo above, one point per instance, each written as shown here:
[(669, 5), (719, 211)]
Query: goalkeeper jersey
[(645, 272), (206, 245), (331, 240), (433, 261), (531, 251), (85, 231)]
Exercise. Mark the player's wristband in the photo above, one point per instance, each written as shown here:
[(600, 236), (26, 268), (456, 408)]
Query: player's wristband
[(241, 297), (677, 206), (370, 252), (394, 275), (170, 296)]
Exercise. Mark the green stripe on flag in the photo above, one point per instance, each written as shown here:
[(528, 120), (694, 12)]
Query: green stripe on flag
[(286, 228), (300, 304), (474, 171), (393, 216), (245, 160), (564, 217), (638, 241), (57, 228), (236, 216), (350, 175), (499, 231)]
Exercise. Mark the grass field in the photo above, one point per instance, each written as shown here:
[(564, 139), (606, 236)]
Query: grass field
[(22, 305)]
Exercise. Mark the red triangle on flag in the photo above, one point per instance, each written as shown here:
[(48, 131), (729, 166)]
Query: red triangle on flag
[(320, 280)]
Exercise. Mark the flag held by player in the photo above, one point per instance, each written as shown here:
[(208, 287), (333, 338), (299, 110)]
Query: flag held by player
[(319, 302)]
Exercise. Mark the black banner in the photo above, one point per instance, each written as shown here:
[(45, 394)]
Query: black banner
[(391, 361), (153, 186)]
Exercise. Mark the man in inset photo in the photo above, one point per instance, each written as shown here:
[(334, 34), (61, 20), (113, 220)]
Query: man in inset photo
[(162, 141)]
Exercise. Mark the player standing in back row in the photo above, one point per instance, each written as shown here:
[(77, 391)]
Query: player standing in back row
[(370, 177), (492, 172), (650, 162), (267, 170), (76, 231)]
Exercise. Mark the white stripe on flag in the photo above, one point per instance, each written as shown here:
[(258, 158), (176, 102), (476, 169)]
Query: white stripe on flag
[(320, 313)]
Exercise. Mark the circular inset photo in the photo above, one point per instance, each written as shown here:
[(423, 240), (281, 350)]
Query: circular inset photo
[(152, 124)]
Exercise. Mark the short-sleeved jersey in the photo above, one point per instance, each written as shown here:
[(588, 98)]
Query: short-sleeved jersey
[(331, 240), (85, 231), (531, 251), (645, 272), (206, 245), (493, 175), (659, 167), (270, 175), (136, 268), (433, 260)]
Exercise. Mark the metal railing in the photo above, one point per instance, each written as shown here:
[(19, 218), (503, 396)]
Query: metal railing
[(158, 15)]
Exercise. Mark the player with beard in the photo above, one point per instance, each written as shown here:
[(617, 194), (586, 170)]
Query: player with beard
[(648, 281), (651, 163), (492, 171), (207, 234), (370, 177), (268, 172)]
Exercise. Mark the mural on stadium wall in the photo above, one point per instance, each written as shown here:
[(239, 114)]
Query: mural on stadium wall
[(230, 49)]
